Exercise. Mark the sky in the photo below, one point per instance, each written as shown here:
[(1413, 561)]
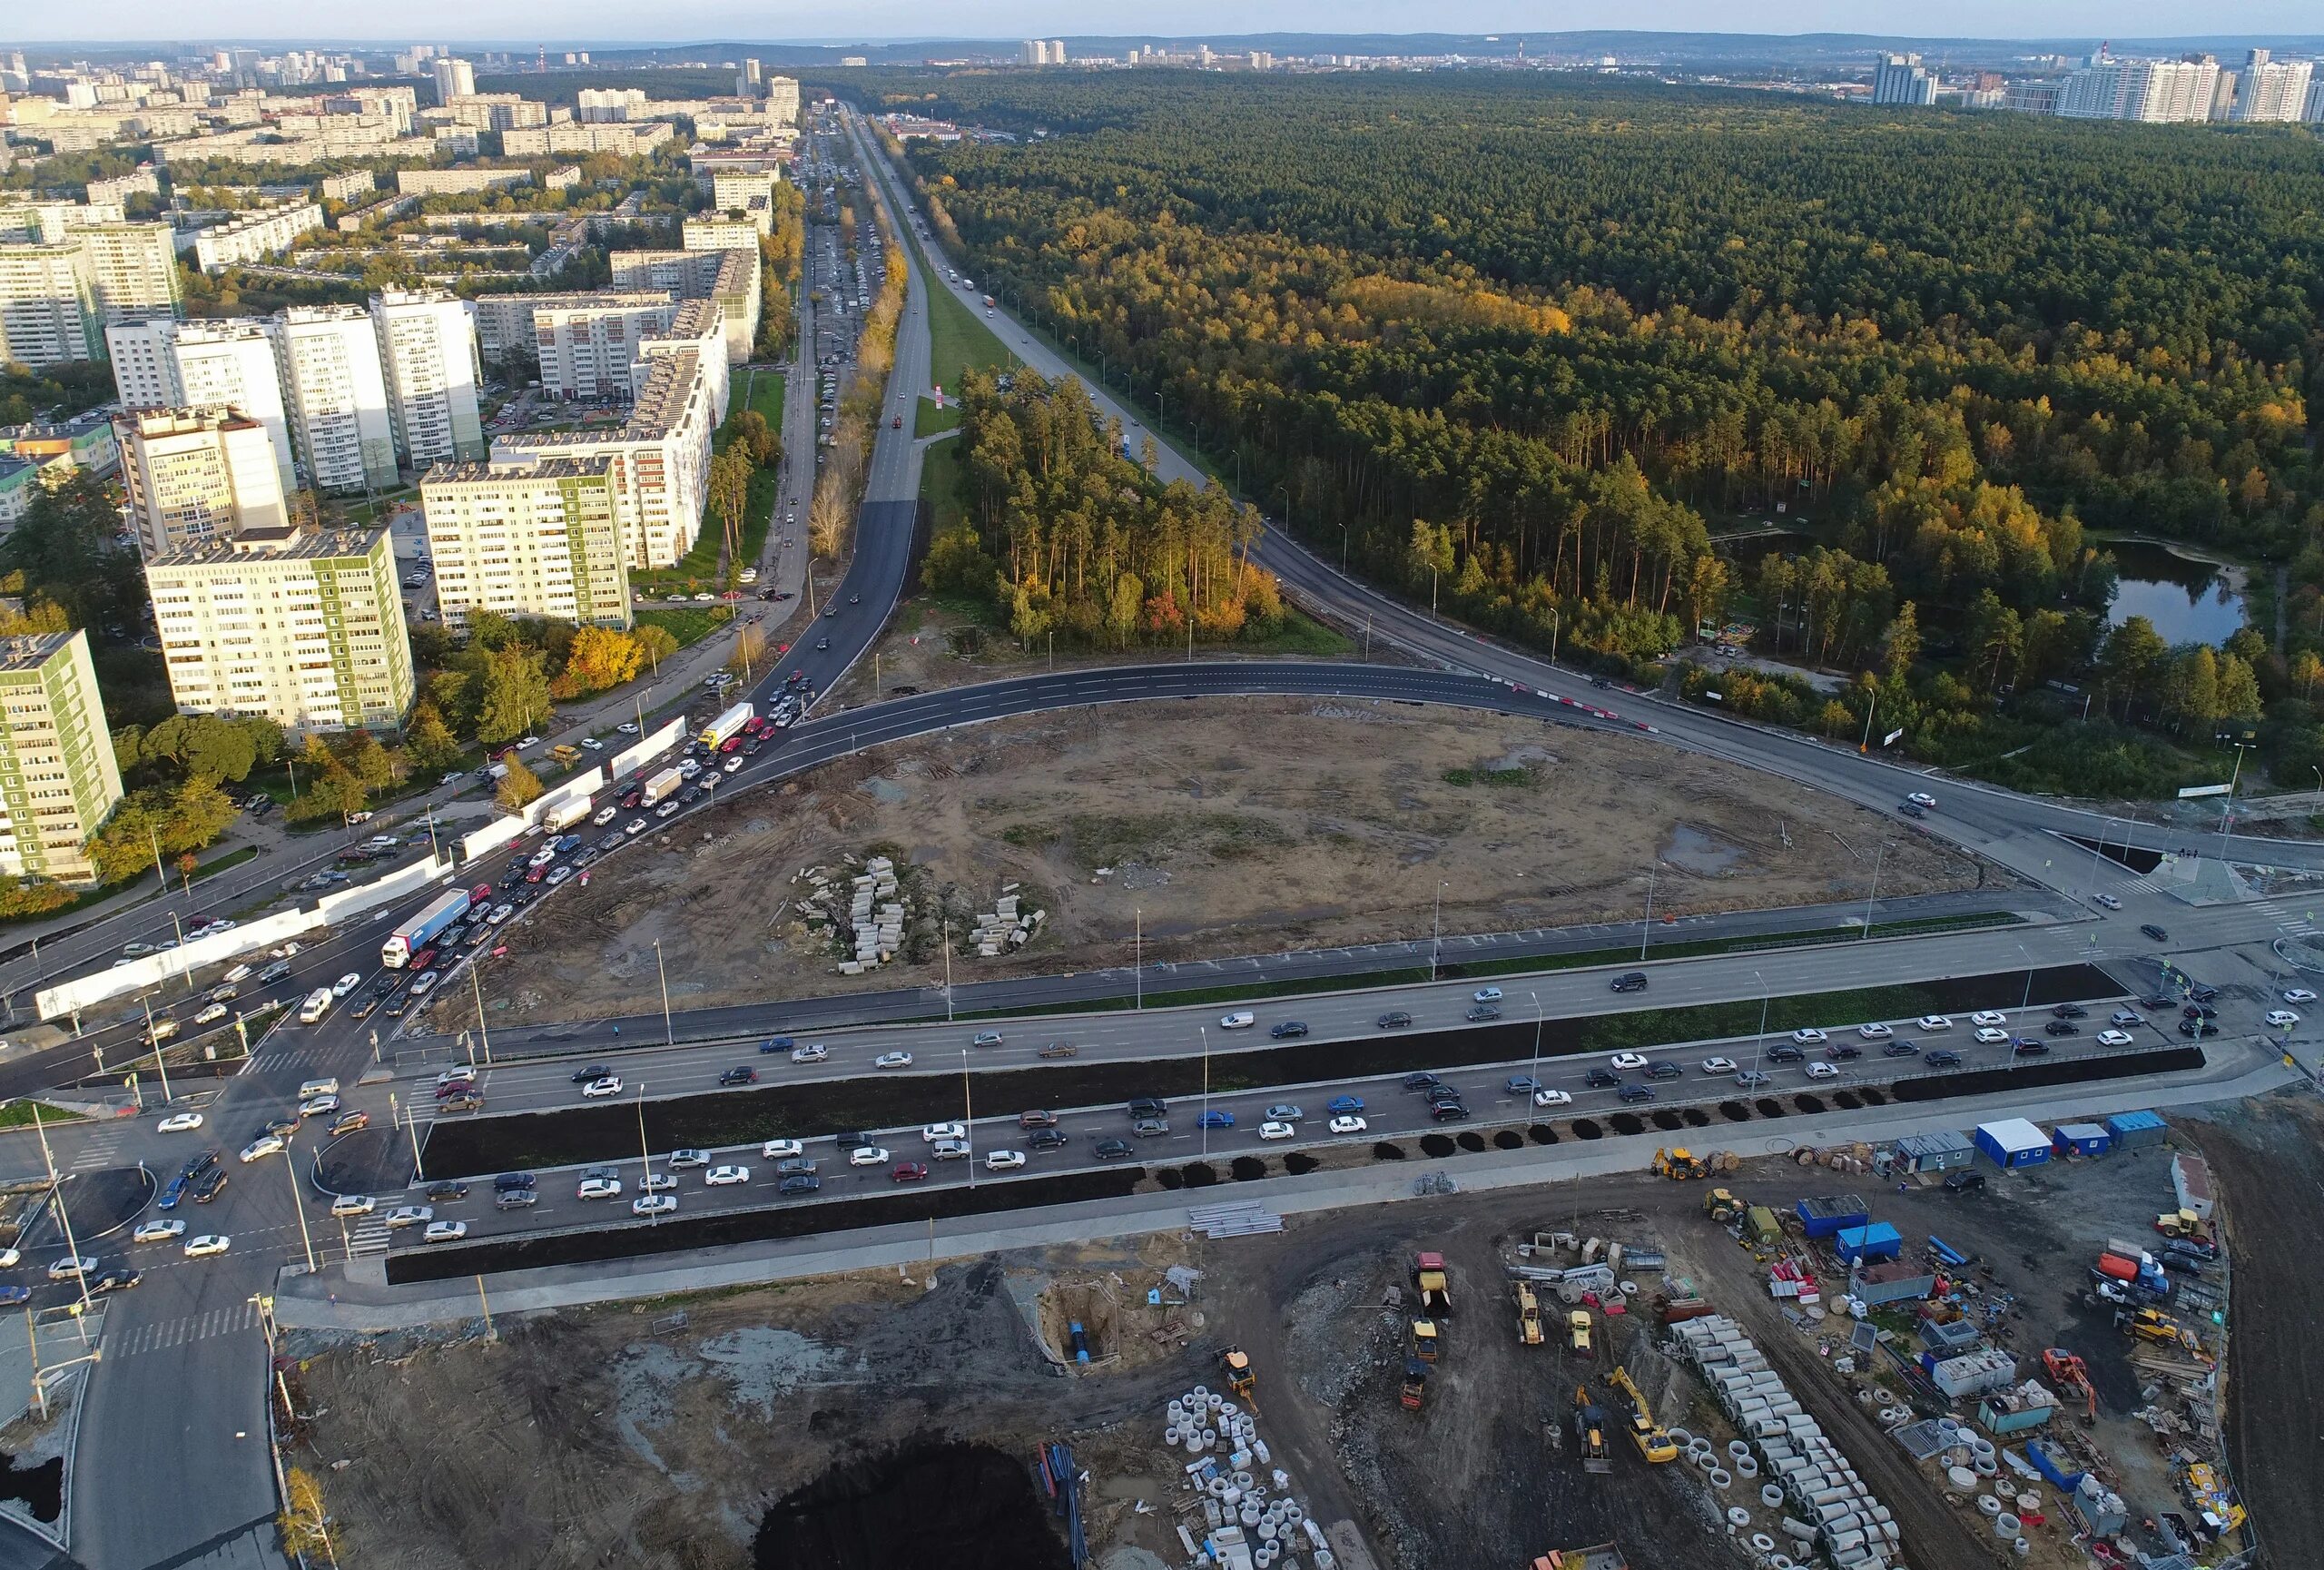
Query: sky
[(678, 21)]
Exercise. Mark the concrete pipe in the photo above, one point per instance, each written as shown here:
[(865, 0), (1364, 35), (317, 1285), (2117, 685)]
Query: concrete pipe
[(1249, 1515), (1243, 1480), (1681, 1437), (1771, 1497), (2007, 1525), (2022, 1548), (1984, 1467), (1961, 1478), (1745, 1468), (1988, 1506), (1224, 1408), (1293, 1516), (1978, 1444), (1736, 1447), (1780, 1562), (1722, 1478), (1202, 1393), (1194, 1444), (1797, 1531)]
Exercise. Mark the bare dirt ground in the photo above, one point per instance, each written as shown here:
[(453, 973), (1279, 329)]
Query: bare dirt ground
[(1224, 826), (660, 1434)]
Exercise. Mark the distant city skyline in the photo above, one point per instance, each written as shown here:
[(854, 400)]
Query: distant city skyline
[(587, 22)]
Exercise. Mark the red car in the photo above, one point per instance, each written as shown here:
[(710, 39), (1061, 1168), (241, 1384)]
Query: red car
[(423, 959), (481, 894), (909, 1172), (732, 744), (534, 874)]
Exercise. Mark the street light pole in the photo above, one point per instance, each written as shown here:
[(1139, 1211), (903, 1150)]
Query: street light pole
[(411, 1125), (1537, 1038), (63, 1216), (669, 1035), (1873, 898), (1204, 1121), (290, 1170), (1436, 929), (967, 1119), (947, 970), (644, 1155), (1137, 959), (1646, 929), (477, 982), (1759, 1047)]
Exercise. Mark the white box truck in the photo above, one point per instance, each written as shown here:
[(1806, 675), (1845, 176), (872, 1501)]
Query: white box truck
[(661, 786), (565, 814)]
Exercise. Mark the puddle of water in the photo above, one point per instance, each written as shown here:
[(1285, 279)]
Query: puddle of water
[(1699, 853)]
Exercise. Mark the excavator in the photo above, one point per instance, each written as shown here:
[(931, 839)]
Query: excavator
[(1652, 1441), (1529, 1315), (1721, 1206), (2069, 1372), (1679, 1164), (1415, 1383), (1590, 1428), (1234, 1364)]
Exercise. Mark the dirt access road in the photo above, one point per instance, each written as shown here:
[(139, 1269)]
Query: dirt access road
[(1224, 826)]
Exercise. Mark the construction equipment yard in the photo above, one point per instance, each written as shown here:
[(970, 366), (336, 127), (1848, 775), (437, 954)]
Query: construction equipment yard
[(1389, 1375)]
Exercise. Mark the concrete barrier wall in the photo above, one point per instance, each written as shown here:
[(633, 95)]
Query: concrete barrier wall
[(125, 980), (580, 787), (490, 837), (648, 748), (337, 907)]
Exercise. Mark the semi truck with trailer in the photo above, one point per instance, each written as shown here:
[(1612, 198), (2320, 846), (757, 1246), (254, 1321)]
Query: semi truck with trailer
[(416, 933), (716, 734)]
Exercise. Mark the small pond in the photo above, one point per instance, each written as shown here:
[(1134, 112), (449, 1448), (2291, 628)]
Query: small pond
[(2186, 601)]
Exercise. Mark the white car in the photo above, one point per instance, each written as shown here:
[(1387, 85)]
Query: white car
[(353, 1205), (1271, 1129), (2298, 995), (634, 826), (813, 1052), (1486, 995), (404, 1216), (1545, 1097), (317, 1106), (782, 1150), (592, 744), (605, 816), (542, 857), (867, 1156), (627, 727), (2114, 1038), (892, 1061), (71, 1268), (1922, 799), (265, 1145), (596, 1089), (11, 1258), (725, 1176), (460, 1075), (346, 983), (2281, 1018), (1348, 1123), (733, 764), (598, 1189), (1003, 1160), (1989, 1017), (1935, 1022), (654, 1204), (1627, 1060), (2109, 901), (935, 1132), (181, 1123), (445, 1232), (530, 741), (1719, 1065), (657, 1183), (1240, 1020), (166, 1027), (1875, 1032), (207, 1244), (1987, 1036), (1823, 1070), (157, 1231), (1807, 1036)]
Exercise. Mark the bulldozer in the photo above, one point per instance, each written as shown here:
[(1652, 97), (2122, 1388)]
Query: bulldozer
[(2069, 1372), (1652, 1441), (1234, 1364), (1679, 1164), (2154, 1324), (1426, 1342), (1529, 1315), (1721, 1206), (1415, 1384), (1590, 1428)]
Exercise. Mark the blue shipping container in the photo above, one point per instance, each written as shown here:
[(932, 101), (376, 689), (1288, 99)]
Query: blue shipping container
[(2132, 1129), (1877, 1242), (2080, 1139), (1823, 1214)]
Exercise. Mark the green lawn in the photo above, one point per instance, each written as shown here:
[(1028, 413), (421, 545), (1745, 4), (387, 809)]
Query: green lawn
[(940, 469), (688, 624), (19, 1115), (766, 389), (958, 341)]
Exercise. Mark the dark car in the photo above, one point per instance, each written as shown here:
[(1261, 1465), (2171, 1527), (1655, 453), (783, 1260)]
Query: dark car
[(2156, 932), (2070, 1012), (1288, 1029), (1843, 1051), (1630, 982), (1481, 1012), (1601, 1079), (1784, 1053), (594, 1072), (1638, 1092), (196, 1166), (1047, 1139), (174, 1193), (1901, 1049), (2197, 1028), (793, 1166), (364, 1007), (851, 1140), (1036, 1118), (1147, 1107), (210, 1187), (2198, 1011), (2028, 1047), (119, 1279), (800, 1183), (515, 1199), (1964, 1182), (1660, 1070), (1393, 1020), (445, 1190), (397, 1003), (2203, 994), (630, 798), (1420, 1082), (1110, 1150), (283, 1126), (506, 1181), (2160, 1000), (1439, 1095), (777, 1044), (1942, 1058), (2061, 1028), (1449, 1112), (384, 985), (744, 1076)]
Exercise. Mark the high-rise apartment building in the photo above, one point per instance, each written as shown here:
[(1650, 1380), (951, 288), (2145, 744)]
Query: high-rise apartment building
[(428, 355), (43, 315), (129, 272), (453, 78), (2160, 91), (210, 364), (717, 232), (2271, 89), (302, 626), (328, 357), (732, 278), (196, 474), (588, 344), (58, 779), (783, 100), (535, 537), (1902, 79)]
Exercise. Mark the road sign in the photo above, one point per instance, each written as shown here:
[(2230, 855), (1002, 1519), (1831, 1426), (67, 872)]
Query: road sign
[(2193, 791)]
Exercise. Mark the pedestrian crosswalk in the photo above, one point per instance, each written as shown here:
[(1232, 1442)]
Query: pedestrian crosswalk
[(103, 1146), (2299, 924), (368, 1237), (162, 1334)]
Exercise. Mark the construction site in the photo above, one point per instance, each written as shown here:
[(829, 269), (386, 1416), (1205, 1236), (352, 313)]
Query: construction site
[(1943, 1353)]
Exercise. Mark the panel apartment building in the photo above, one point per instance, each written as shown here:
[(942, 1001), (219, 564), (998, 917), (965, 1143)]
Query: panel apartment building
[(540, 537), (204, 365), (328, 357), (730, 277), (58, 779), (59, 292), (195, 475), (427, 353)]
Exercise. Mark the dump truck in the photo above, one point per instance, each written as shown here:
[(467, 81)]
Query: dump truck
[(1415, 1384), (1529, 1315), (1234, 1364), (1680, 1163), (1590, 1429), (1652, 1440), (1576, 1330), (1435, 1296), (1721, 1205), (1426, 1342)]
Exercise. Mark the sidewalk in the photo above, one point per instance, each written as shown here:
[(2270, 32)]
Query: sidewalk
[(356, 1296)]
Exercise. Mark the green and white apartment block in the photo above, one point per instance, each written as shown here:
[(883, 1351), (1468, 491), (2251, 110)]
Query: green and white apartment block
[(537, 537), (58, 780)]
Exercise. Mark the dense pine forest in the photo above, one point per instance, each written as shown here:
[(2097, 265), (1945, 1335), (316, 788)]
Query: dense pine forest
[(1531, 343)]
